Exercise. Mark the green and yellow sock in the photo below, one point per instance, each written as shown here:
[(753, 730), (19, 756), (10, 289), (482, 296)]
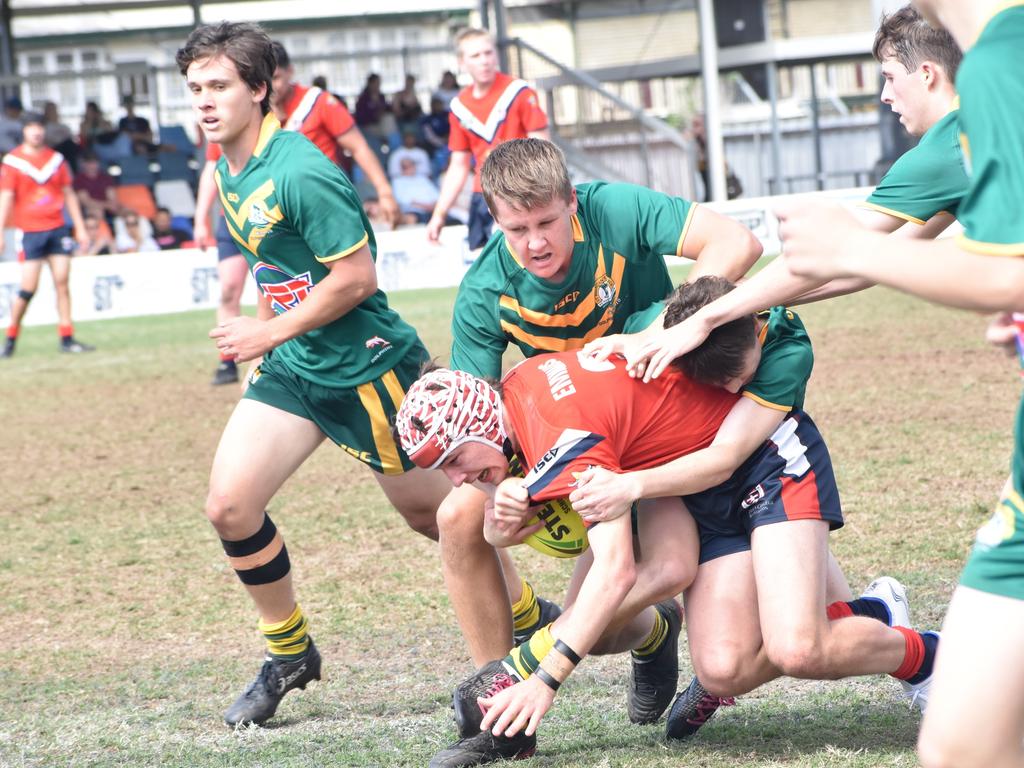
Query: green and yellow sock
[(526, 610), (525, 659), (652, 644), (287, 639)]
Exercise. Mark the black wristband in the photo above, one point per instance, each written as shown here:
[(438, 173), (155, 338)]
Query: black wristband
[(547, 678), (563, 648)]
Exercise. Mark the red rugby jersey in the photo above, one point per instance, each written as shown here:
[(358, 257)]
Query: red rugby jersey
[(509, 110), (38, 182), (569, 412)]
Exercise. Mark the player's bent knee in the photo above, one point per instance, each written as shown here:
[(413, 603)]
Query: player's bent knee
[(459, 524), (721, 672), (226, 515)]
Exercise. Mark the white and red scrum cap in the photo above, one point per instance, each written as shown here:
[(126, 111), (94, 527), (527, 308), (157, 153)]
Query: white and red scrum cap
[(445, 409)]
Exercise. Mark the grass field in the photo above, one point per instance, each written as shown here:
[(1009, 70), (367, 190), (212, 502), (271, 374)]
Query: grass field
[(126, 635)]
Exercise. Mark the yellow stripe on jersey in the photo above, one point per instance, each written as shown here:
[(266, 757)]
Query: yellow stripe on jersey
[(236, 218), (990, 249), (554, 344), (686, 228), (346, 252), (380, 424), (890, 212), (583, 309), (577, 229), (237, 236), (765, 403), (268, 128)]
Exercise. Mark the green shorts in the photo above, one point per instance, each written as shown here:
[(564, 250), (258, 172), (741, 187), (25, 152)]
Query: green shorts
[(996, 564), (357, 419)]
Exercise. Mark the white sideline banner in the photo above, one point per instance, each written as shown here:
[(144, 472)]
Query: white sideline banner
[(178, 281), (131, 284)]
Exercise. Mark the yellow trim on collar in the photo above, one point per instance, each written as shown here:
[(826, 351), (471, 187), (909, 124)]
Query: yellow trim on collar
[(268, 128)]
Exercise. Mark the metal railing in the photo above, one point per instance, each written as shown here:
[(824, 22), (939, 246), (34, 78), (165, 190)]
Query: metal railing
[(603, 135)]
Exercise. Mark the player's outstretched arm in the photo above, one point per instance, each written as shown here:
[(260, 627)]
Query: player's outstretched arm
[(611, 576), (600, 494), (824, 241)]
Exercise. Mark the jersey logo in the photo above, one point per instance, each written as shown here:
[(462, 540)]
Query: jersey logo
[(284, 291), (569, 445), (258, 214), (376, 341), (567, 299), (232, 197), (604, 291), (753, 497)]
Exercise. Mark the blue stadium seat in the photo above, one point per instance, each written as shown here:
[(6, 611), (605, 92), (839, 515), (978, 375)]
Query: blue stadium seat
[(176, 165), (134, 169), (175, 136), (112, 152)]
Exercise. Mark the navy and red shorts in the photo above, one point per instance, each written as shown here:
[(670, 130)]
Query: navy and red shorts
[(788, 478), (49, 242)]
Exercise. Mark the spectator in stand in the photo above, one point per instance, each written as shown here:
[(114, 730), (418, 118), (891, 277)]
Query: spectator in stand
[(373, 113), (415, 192), (406, 106), (136, 127), (434, 129), (95, 188), (56, 132), (10, 125), (95, 126), (100, 239), (59, 136), (408, 151), (165, 234), (134, 234), (35, 183), (447, 90)]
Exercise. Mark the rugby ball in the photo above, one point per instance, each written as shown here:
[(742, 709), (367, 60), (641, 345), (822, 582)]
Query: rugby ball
[(563, 533)]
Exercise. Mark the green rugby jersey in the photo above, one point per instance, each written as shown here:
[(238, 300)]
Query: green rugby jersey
[(621, 233), (780, 381), (992, 120), (926, 180), (292, 211)]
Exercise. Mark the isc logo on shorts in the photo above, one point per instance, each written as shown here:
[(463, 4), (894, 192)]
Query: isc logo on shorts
[(755, 495)]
